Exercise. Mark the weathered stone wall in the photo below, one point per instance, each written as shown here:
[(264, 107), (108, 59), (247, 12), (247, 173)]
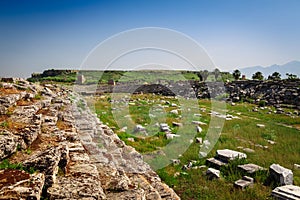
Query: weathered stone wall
[(276, 93), (51, 130), (272, 92)]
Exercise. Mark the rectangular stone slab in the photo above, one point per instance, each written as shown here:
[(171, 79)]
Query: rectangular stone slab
[(228, 155), (287, 192), (250, 168), (242, 184), (215, 163)]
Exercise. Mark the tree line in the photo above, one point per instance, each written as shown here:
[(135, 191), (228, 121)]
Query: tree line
[(259, 76), (217, 75)]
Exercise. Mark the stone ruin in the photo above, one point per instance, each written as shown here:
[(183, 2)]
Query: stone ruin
[(277, 174), (274, 93), (78, 157), (74, 155)]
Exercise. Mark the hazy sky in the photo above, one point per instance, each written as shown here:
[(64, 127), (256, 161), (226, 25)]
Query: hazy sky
[(37, 35)]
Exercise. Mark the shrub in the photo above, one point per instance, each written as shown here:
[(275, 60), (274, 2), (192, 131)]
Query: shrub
[(4, 124), (37, 96), (262, 103)]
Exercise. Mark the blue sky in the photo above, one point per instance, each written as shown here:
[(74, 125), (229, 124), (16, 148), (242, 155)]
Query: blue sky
[(36, 35)]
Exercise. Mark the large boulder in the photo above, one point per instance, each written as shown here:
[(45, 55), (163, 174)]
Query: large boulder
[(281, 175)]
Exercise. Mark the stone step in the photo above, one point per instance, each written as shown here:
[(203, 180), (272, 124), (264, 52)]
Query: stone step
[(216, 163), (243, 183)]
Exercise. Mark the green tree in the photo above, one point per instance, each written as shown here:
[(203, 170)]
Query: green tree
[(275, 76), (204, 74), (216, 73), (291, 76), (257, 76), (199, 76), (226, 76), (236, 74)]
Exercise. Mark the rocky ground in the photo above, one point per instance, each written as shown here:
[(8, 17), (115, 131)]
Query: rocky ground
[(53, 147)]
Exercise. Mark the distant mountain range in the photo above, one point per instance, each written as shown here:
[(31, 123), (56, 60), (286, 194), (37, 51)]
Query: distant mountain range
[(290, 67)]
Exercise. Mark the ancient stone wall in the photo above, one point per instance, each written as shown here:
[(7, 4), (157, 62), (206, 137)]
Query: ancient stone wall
[(276, 93), (71, 154)]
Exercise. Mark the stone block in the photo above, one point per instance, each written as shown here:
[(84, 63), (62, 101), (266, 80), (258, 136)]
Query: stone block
[(228, 155), (215, 163), (281, 175), (199, 140), (212, 173), (243, 183), (250, 168), (286, 192)]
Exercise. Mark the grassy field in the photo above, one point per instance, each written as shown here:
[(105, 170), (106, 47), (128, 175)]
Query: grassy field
[(238, 133), (149, 76)]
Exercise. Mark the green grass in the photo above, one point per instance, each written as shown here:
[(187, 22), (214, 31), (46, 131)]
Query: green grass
[(231, 172), (38, 96), (28, 151), (5, 164), (236, 134), (4, 124), (81, 105), (149, 76)]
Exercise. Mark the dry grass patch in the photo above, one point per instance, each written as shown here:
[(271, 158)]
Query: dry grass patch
[(62, 125), (4, 91), (40, 144), (3, 118), (43, 111), (23, 102), (13, 126)]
